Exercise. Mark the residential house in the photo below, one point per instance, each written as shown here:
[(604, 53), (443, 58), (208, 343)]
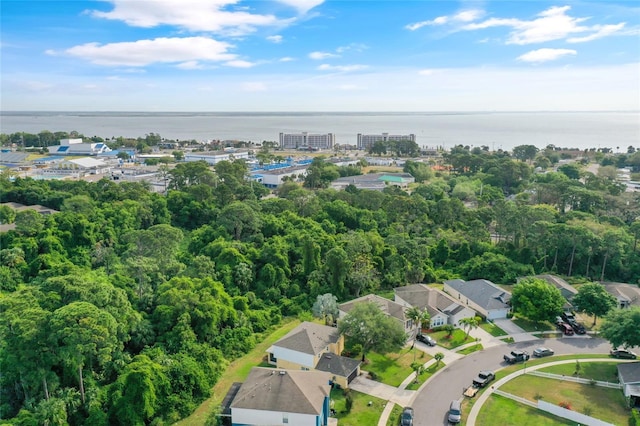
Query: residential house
[(627, 294), (282, 397), (442, 308), (566, 289), (312, 346), (483, 296), (629, 377), (388, 307)]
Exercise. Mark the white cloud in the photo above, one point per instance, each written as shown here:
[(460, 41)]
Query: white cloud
[(544, 55), (550, 24), (191, 15), (190, 65), (428, 71), (254, 86), (239, 64), (146, 52), (463, 16), (286, 59), (318, 56), (601, 31), (275, 39), (341, 68), (303, 6)]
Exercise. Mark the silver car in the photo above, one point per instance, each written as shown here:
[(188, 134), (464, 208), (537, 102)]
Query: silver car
[(455, 415)]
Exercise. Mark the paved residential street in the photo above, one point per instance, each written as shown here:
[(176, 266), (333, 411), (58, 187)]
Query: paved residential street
[(432, 401)]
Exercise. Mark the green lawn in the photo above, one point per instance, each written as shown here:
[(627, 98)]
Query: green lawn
[(394, 417), (531, 326), (493, 329), (426, 374), (498, 410), (237, 371), (603, 371), (470, 349), (393, 368), (535, 361), (602, 403), (361, 412), (456, 339)]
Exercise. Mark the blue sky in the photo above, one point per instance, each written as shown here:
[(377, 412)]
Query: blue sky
[(315, 55)]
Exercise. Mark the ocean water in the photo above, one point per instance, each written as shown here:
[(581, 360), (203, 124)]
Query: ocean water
[(496, 130)]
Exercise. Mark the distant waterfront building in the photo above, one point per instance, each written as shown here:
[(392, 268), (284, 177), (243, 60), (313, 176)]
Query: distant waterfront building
[(214, 158), (307, 140), (367, 141), (78, 147)]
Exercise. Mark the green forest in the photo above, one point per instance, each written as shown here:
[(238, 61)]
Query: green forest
[(127, 305)]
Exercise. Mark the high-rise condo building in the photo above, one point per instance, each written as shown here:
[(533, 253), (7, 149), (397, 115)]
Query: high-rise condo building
[(367, 141), (307, 140)]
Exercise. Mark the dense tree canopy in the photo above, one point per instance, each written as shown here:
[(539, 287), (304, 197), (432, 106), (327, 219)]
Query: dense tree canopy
[(620, 327), (130, 300)]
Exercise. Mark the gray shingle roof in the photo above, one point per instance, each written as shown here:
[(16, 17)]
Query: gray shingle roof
[(309, 338), (287, 391), (629, 293), (629, 372), (567, 290), (423, 297), (483, 293), (387, 306), (337, 365)]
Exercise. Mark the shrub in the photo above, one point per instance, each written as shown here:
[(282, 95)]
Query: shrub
[(348, 401), (565, 404)]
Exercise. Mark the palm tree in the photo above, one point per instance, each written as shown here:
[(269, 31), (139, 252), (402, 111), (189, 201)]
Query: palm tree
[(419, 318), (438, 357), (469, 324)]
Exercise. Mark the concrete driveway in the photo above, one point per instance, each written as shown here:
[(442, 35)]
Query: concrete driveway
[(512, 329)]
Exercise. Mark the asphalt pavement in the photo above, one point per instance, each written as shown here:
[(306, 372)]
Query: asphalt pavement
[(432, 400)]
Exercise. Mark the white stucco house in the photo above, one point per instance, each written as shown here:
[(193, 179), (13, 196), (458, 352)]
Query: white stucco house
[(271, 397), (442, 308), (483, 296), (312, 346)]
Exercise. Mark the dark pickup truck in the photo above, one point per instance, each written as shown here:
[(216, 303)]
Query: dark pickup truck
[(483, 379), (516, 356)]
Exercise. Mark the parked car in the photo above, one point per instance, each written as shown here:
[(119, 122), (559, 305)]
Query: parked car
[(426, 339), (542, 351), (622, 353), (568, 317), (455, 415), (406, 419), (516, 356), (483, 379), (577, 327), (566, 329)]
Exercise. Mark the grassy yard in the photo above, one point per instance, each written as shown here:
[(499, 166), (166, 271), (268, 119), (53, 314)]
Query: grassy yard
[(361, 412), (602, 403), (456, 339), (470, 349), (394, 417), (237, 371), (502, 411), (531, 326), (535, 361), (493, 329), (393, 368), (603, 371), (426, 374)]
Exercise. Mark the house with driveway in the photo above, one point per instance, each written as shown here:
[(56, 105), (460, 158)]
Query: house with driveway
[(442, 308), (390, 308), (627, 294), (312, 346), (629, 377), (279, 397), (483, 296)]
